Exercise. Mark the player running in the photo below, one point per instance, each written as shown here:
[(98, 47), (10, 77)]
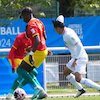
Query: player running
[(77, 64)]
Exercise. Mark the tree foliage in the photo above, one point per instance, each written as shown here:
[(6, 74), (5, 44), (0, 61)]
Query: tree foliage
[(10, 9), (79, 7), (88, 7)]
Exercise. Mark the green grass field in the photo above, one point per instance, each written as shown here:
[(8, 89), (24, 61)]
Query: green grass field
[(60, 94), (71, 98), (69, 91), (80, 98)]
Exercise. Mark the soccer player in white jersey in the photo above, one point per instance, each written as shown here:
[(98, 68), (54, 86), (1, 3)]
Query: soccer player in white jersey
[(77, 64)]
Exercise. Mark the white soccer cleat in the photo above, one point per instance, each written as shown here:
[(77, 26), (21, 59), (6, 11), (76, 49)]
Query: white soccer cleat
[(80, 92), (42, 95), (39, 93)]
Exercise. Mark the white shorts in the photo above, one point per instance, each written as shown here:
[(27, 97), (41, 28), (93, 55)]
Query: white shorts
[(80, 65)]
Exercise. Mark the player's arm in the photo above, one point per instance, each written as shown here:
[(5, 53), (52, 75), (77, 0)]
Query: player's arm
[(44, 34), (34, 48), (77, 50), (36, 43), (11, 55), (44, 31), (35, 35), (77, 47)]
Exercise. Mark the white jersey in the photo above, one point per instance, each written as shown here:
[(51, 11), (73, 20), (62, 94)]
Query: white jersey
[(74, 44)]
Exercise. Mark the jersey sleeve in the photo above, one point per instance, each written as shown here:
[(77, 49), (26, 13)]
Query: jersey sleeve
[(32, 30), (13, 49), (69, 41), (11, 57), (16, 43), (73, 41), (78, 51), (77, 47)]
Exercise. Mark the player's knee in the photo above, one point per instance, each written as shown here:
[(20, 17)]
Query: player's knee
[(77, 77), (66, 71)]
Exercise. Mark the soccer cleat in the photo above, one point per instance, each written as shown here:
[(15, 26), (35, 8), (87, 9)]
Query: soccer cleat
[(37, 91), (35, 94), (10, 96), (42, 95), (80, 92)]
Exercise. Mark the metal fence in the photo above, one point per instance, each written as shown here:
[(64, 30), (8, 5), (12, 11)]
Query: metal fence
[(55, 64)]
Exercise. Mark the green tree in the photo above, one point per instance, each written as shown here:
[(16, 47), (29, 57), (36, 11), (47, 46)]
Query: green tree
[(87, 7), (10, 9), (79, 7)]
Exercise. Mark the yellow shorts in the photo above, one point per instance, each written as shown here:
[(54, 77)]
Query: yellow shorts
[(17, 61), (39, 57)]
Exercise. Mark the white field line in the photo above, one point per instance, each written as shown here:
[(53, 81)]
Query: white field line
[(58, 95)]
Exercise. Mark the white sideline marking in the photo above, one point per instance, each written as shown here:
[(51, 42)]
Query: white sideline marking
[(58, 95)]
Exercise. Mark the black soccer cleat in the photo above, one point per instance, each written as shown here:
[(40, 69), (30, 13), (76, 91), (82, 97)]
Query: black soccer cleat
[(80, 92)]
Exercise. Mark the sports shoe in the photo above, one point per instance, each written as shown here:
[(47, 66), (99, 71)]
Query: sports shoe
[(36, 93), (80, 92), (42, 95), (10, 96)]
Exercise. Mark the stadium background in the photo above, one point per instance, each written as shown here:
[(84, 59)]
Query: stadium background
[(87, 28)]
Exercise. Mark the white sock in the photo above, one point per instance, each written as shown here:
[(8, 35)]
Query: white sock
[(90, 83), (71, 79)]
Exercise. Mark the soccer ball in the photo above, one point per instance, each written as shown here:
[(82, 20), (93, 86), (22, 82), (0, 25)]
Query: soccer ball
[(19, 94)]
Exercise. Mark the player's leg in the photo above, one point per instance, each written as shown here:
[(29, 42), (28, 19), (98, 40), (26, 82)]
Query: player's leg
[(90, 83), (24, 82), (14, 86), (86, 81), (71, 78), (39, 57), (33, 73), (81, 69), (16, 83), (34, 77), (23, 70)]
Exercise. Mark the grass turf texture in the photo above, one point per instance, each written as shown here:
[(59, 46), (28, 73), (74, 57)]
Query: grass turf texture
[(71, 98), (65, 91), (80, 98)]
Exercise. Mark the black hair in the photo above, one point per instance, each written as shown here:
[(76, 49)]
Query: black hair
[(58, 24), (25, 11)]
